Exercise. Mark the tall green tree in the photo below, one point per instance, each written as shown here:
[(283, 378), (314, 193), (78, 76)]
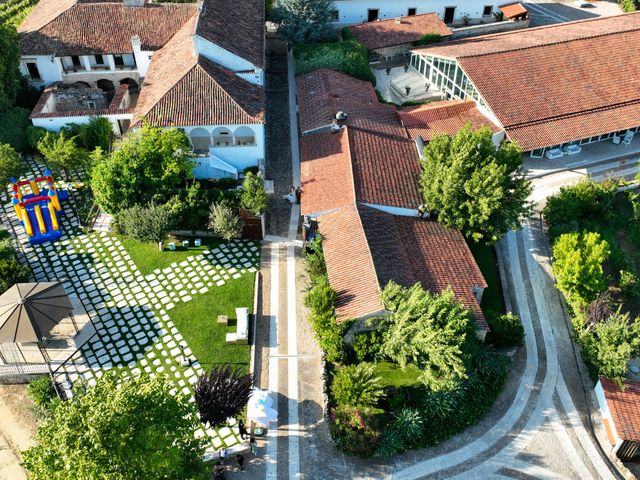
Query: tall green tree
[(305, 21), (10, 164), (224, 221), (61, 152), (147, 166), (435, 333), (119, 430), (473, 186), (577, 265), (9, 63), (254, 197)]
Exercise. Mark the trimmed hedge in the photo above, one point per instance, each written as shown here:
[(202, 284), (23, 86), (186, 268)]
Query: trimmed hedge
[(348, 57)]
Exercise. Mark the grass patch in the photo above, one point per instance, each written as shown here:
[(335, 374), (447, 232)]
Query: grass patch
[(347, 56), (148, 259), (196, 321), (485, 256), (392, 375)]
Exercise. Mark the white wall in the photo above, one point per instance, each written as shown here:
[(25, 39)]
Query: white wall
[(54, 124), (227, 59), (49, 71), (143, 57), (356, 11), (241, 156)]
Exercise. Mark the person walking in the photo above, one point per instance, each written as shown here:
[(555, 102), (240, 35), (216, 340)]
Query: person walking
[(253, 446), (298, 195), (240, 460), (242, 429)]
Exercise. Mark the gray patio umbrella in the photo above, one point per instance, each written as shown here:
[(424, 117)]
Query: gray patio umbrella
[(29, 311)]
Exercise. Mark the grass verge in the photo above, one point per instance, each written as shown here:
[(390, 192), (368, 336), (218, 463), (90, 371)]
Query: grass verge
[(485, 256)]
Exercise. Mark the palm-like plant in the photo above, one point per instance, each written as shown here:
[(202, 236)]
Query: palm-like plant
[(356, 386), (222, 393)]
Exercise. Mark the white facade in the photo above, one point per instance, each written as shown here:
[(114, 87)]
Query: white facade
[(54, 124), (359, 11), (231, 148), (48, 68), (242, 67)]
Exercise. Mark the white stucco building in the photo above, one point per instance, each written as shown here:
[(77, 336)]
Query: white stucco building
[(195, 66), (349, 12)]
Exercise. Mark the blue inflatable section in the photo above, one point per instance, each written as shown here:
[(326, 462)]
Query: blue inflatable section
[(50, 234)]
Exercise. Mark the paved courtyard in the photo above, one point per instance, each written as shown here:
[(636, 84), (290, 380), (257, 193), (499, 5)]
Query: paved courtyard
[(131, 311)]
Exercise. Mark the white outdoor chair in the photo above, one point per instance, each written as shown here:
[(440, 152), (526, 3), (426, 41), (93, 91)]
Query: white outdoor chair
[(616, 140)]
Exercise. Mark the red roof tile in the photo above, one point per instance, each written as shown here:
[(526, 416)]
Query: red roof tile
[(70, 28), (349, 264), (238, 27), (567, 73), (183, 89), (365, 248), (446, 117), (513, 10), (326, 173), (388, 33), (322, 93), (624, 407)]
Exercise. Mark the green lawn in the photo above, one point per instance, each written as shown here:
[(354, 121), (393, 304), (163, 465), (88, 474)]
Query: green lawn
[(197, 322), (485, 256), (392, 375), (148, 259)]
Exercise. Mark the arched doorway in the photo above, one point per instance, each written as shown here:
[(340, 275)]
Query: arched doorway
[(133, 85), (222, 137), (81, 85), (244, 136), (106, 86), (200, 139)]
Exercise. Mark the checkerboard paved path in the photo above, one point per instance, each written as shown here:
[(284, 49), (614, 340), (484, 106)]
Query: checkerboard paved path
[(134, 332)]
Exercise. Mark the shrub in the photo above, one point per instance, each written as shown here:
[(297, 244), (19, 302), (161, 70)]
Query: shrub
[(11, 272), (329, 333), (578, 207), (346, 34), (13, 124), (506, 330), (628, 5), (34, 134), (145, 224), (348, 57), (254, 197), (629, 284), (305, 20), (42, 392), (10, 164), (367, 345), (577, 265), (356, 386), (610, 346), (428, 39), (352, 430), (96, 133), (224, 221), (405, 431), (314, 258), (222, 393), (61, 152)]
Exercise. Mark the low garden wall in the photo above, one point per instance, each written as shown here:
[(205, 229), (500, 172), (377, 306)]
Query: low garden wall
[(487, 28)]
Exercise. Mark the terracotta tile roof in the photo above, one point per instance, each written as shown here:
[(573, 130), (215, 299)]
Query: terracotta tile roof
[(327, 177), (322, 93), (349, 264), (409, 250), (358, 165), (388, 33), (84, 28), (569, 74), (183, 89), (446, 117), (238, 27), (365, 248), (624, 407), (513, 10)]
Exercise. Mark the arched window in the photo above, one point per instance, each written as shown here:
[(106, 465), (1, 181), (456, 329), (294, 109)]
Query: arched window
[(245, 136), (200, 139), (106, 85), (222, 137)]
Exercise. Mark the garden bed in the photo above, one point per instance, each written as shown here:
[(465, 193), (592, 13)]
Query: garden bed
[(346, 56)]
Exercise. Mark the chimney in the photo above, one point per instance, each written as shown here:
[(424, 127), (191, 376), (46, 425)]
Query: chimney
[(134, 3), (398, 20), (341, 116)]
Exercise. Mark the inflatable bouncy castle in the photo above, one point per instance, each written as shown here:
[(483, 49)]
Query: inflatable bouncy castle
[(39, 210)]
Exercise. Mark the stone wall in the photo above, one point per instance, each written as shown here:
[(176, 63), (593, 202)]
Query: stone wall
[(487, 28)]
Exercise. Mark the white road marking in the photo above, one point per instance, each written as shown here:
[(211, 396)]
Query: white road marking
[(274, 299), (292, 349)]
